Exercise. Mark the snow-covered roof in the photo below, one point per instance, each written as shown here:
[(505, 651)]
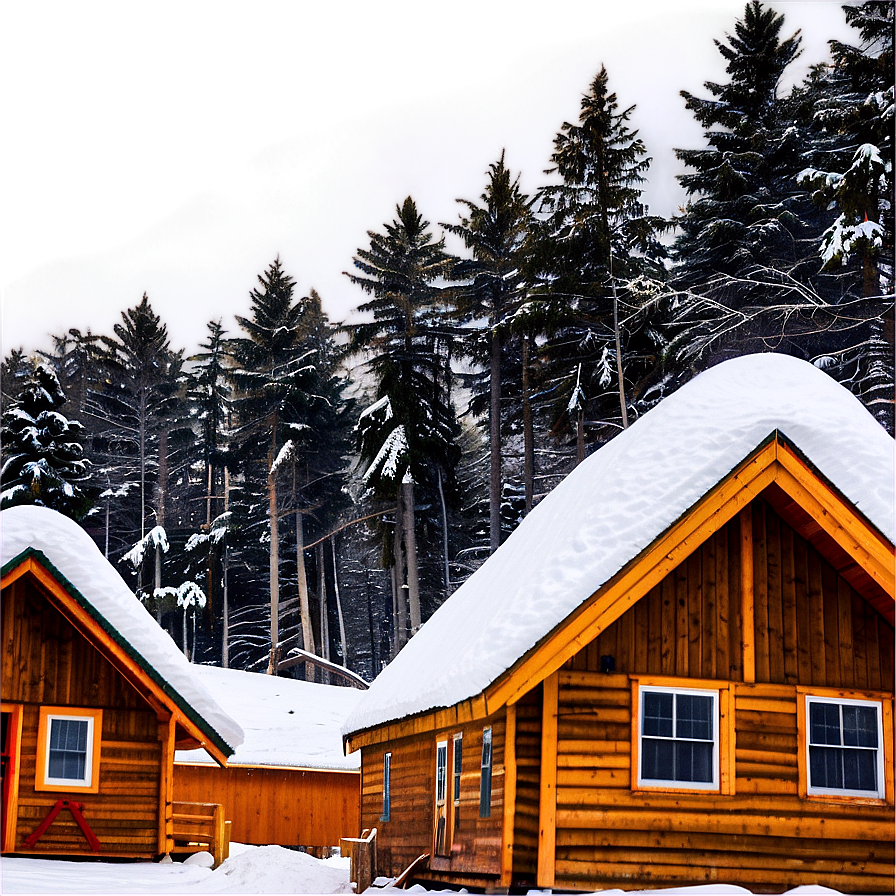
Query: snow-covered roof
[(615, 504), (286, 722), (94, 582)]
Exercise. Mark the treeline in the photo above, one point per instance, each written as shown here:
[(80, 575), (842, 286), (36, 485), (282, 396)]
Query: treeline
[(304, 485)]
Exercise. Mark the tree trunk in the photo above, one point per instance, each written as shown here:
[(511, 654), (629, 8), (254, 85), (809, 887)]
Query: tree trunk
[(324, 617), (410, 538), (186, 651), (580, 437), (225, 609), (444, 535), (302, 576), (618, 348), (342, 639), (494, 483), (274, 552), (528, 440), (400, 618)]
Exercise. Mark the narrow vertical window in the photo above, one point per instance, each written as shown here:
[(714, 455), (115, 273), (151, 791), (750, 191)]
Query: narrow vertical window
[(485, 779), (387, 787), (441, 813), (458, 768)]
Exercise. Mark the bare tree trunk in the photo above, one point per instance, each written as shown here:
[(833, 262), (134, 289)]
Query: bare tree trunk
[(444, 535), (494, 482), (618, 348), (304, 602), (324, 616), (225, 609), (528, 439), (161, 495), (186, 650), (342, 638), (400, 590), (274, 552), (410, 537), (580, 437)]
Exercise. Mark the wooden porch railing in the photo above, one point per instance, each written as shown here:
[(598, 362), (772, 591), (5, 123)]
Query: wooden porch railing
[(362, 852), (199, 827)]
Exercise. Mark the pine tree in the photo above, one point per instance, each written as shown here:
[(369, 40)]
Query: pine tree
[(597, 237), (496, 233), (408, 349), (43, 460)]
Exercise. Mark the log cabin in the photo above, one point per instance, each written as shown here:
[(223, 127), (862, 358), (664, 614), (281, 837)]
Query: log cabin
[(95, 699), (289, 783), (678, 670)]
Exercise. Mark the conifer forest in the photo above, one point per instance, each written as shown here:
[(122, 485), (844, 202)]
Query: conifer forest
[(304, 484)]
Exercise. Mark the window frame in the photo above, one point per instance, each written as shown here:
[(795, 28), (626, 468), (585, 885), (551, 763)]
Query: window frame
[(883, 703), (387, 787), (90, 783), (723, 734), (485, 773)]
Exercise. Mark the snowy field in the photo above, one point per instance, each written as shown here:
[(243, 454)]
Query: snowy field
[(250, 869)]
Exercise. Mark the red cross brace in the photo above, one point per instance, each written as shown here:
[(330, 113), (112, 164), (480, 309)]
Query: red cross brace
[(75, 809)]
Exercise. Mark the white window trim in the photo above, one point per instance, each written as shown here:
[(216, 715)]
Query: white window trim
[(85, 783), (880, 793), (664, 784), (387, 787)]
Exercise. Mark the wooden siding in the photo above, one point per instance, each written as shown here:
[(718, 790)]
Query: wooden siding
[(408, 833), (812, 630), (46, 661), (283, 806), (528, 787)]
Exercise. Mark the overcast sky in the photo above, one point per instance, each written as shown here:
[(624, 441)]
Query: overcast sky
[(177, 147)]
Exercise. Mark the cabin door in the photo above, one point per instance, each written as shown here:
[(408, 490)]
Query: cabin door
[(10, 737)]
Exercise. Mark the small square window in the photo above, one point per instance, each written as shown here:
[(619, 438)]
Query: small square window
[(68, 749), (844, 747), (679, 738)]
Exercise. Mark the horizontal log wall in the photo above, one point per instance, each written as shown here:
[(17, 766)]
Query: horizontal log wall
[(408, 833), (45, 661), (528, 760), (286, 807)]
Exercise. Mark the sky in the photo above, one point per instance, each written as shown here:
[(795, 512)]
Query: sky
[(177, 148)]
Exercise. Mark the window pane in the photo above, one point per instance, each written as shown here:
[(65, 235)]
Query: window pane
[(860, 726), (694, 718), (825, 768), (824, 723), (657, 761), (693, 762), (860, 770), (458, 766), (441, 771), (657, 714), (68, 749)]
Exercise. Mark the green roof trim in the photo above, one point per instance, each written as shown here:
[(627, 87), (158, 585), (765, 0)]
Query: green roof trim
[(122, 642)]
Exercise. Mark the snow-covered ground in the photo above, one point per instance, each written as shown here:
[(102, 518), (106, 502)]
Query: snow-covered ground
[(250, 869)]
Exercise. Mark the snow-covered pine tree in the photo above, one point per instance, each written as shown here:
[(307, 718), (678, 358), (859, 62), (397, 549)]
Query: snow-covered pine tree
[(407, 348), (43, 460), (596, 237), (493, 288)]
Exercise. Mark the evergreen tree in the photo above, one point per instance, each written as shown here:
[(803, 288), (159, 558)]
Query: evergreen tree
[(597, 237), (43, 460), (408, 437), (496, 233)]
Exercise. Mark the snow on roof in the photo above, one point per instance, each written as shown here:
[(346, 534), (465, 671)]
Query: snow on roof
[(76, 558), (286, 722), (615, 504)]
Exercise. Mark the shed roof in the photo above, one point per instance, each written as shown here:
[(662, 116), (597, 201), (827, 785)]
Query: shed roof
[(616, 504), (71, 556)]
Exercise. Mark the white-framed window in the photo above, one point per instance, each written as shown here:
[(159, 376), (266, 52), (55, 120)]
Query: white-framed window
[(844, 747), (485, 775), (68, 749), (678, 734), (387, 787), (441, 845)]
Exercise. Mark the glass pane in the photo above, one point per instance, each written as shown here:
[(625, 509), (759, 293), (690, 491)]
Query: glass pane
[(441, 771), (657, 714), (824, 723), (657, 761), (458, 766), (860, 770), (860, 726), (68, 749), (693, 762), (825, 767), (694, 717)]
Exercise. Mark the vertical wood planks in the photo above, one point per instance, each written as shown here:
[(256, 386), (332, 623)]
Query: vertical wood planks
[(547, 804), (747, 594)]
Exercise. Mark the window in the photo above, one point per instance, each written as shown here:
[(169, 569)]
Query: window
[(68, 749), (458, 744), (844, 741), (441, 813), (485, 779), (679, 738), (387, 787)]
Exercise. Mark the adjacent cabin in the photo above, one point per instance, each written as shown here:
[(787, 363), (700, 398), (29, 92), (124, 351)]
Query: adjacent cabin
[(96, 698), (289, 783), (678, 670)]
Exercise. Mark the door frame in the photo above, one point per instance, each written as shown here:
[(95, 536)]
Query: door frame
[(12, 749)]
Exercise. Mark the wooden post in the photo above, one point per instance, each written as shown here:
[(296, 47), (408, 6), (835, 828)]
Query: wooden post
[(362, 854), (166, 786), (547, 803), (509, 796), (746, 594), (221, 846)]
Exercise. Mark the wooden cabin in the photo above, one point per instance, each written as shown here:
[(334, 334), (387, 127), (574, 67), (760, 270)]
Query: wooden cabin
[(96, 698), (678, 670), (289, 783)]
